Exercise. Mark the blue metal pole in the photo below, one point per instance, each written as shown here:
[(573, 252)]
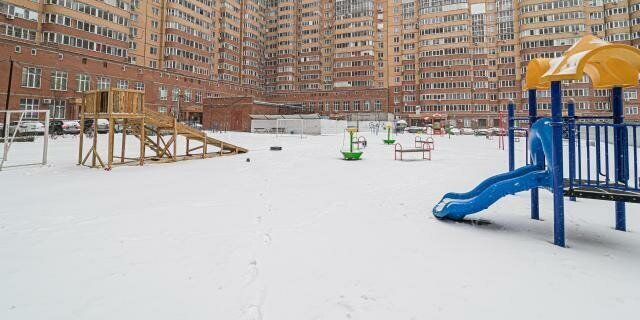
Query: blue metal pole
[(571, 113), (510, 124), (618, 117), (533, 116), (557, 167)]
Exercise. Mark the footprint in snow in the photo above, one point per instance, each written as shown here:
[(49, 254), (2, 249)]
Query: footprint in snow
[(267, 239), (252, 273), (253, 313)]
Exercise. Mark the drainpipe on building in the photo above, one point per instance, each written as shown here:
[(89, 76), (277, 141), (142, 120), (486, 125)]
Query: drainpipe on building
[(6, 105)]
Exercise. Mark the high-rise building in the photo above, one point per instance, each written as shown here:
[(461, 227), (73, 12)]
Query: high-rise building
[(413, 58)]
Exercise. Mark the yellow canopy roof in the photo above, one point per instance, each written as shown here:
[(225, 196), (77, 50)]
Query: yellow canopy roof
[(535, 69), (608, 65)]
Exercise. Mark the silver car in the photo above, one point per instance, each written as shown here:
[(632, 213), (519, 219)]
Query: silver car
[(27, 128)]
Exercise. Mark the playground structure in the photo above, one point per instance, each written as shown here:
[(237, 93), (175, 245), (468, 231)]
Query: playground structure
[(351, 154), (610, 66), (427, 142), (388, 140), (8, 137), (361, 142), (425, 150), (126, 108), (500, 132), (438, 123)]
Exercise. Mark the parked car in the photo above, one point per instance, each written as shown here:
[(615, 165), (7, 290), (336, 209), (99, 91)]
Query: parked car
[(467, 131), (71, 126), (454, 131), (60, 127), (415, 129), (520, 133), (103, 125), (27, 128), (55, 127), (193, 124), (497, 131), (481, 132)]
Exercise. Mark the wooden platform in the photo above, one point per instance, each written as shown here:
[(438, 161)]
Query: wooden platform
[(158, 131)]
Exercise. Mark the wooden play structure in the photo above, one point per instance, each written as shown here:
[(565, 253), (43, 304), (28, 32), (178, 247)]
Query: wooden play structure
[(157, 131)]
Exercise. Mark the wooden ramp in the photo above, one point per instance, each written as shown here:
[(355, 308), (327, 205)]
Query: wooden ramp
[(157, 131), (158, 122)]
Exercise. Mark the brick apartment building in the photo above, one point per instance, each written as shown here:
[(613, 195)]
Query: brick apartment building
[(412, 58)]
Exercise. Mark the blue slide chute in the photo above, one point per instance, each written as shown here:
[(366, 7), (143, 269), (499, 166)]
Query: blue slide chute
[(456, 206)]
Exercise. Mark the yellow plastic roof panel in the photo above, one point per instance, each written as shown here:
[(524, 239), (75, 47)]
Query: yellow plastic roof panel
[(608, 65), (535, 69)]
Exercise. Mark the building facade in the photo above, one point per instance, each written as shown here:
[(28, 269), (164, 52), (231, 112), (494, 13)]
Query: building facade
[(412, 58)]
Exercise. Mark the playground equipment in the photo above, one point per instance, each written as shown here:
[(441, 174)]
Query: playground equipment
[(127, 108), (438, 123), (425, 150), (427, 142), (500, 132), (388, 140), (351, 154), (8, 137), (611, 66), (361, 142)]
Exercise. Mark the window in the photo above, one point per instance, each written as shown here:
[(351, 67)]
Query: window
[(187, 95), (57, 108), (59, 80), (139, 86), (29, 104), (104, 83), (175, 94), (163, 93), (367, 105), (122, 84), (83, 82), (378, 105), (31, 77)]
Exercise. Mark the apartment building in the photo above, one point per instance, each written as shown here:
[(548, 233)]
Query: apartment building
[(413, 58)]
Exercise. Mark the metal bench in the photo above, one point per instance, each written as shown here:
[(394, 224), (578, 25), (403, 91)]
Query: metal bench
[(426, 152), (426, 143)]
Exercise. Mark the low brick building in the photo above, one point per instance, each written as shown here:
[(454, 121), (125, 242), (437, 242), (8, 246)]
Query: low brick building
[(234, 113)]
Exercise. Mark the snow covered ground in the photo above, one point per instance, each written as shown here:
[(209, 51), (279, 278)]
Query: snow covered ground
[(300, 234)]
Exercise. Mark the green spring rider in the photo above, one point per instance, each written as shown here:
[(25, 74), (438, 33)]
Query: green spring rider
[(351, 154), (388, 140)]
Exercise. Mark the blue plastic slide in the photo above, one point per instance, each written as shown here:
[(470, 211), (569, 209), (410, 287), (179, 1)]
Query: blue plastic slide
[(456, 206)]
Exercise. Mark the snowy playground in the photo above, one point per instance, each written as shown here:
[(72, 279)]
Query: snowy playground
[(296, 232), (301, 234)]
